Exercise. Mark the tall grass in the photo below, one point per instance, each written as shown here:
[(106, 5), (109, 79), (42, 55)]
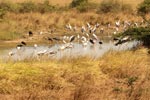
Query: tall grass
[(123, 76)]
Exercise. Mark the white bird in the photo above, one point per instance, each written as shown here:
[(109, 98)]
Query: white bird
[(117, 23), (35, 46), (69, 45), (18, 47), (94, 29), (97, 25), (11, 53), (115, 33), (62, 47), (136, 24), (102, 30), (84, 43), (51, 52), (88, 25), (87, 35), (83, 29), (83, 38), (41, 33), (78, 36), (94, 35), (75, 28), (117, 29), (70, 27), (41, 52), (109, 25), (64, 42)]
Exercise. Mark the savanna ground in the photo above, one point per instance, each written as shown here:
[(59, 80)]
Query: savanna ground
[(116, 76)]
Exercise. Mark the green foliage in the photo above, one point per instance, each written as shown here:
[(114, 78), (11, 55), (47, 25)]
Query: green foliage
[(141, 33), (2, 13), (113, 6), (109, 6), (144, 7), (27, 7), (131, 80), (81, 5), (45, 7), (5, 6), (76, 3)]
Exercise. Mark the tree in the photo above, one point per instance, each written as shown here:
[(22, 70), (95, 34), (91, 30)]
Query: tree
[(144, 7)]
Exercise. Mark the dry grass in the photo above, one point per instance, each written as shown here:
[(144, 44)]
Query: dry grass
[(67, 2), (15, 26), (22, 23), (119, 76)]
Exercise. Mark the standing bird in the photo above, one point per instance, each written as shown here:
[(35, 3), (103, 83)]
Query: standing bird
[(88, 25), (117, 23), (100, 42), (30, 33), (97, 25), (95, 36), (18, 47), (11, 53), (75, 28), (35, 46), (102, 30), (123, 40), (83, 29)]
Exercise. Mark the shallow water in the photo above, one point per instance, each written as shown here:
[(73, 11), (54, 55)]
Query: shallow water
[(94, 51)]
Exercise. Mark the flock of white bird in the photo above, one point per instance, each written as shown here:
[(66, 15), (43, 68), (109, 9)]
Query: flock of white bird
[(84, 39)]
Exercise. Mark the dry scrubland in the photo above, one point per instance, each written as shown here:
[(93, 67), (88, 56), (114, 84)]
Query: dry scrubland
[(115, 76), (15, 25), (22, 23), (66, 2)]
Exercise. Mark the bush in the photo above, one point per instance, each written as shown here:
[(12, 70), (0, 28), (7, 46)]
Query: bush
[(144, 7), (113, 6), (109, 6), (27, 7), (141, 33), (2, 13), (76, 3), (5, 6), (45, 7), (127, 8), (83, 7)]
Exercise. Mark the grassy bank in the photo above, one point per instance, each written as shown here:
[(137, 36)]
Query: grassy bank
[(15, 26), (121, 76)]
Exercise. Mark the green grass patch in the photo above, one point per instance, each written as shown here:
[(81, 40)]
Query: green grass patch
[(9, 35)]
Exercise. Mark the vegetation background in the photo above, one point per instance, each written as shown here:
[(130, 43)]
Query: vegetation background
[(116, 76)]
